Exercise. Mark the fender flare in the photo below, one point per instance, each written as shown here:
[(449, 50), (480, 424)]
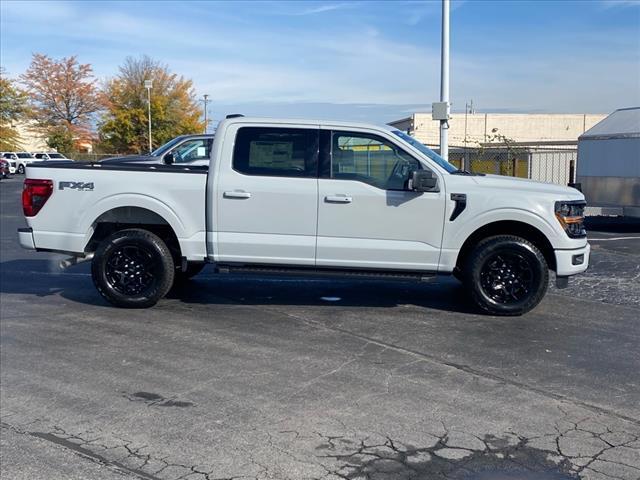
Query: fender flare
[(500, 215), (138, 200)]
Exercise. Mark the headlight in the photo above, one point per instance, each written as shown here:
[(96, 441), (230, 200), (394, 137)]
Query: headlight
[(570, 214)]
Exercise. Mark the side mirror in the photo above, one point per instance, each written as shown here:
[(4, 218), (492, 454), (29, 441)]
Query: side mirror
[(423, 181), (169, 159)]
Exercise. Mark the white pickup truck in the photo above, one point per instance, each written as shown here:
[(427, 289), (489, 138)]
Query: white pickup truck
[(299, 197)]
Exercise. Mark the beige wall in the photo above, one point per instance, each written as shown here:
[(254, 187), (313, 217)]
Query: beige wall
[(518, 127), (31, 139)]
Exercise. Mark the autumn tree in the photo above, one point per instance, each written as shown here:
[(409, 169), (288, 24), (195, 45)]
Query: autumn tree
[(64, 97), (174, 108), (13, 108)]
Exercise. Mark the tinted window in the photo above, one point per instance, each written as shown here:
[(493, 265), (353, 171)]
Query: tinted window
[(192, 150), (370, 159), (280, 152), (39, 155)]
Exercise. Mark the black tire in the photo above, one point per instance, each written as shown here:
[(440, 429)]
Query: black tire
[(193, 268), (133, 268), (21, 169), (506, 275)]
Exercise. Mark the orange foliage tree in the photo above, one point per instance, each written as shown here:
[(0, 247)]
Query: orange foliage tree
[(174, 107), (64, 97)]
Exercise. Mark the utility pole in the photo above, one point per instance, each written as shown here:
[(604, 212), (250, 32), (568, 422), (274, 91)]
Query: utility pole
[(440, 110), (206, 100), (148, 84)]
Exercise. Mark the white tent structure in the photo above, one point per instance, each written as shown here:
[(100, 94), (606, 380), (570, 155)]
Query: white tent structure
[(609, 163)]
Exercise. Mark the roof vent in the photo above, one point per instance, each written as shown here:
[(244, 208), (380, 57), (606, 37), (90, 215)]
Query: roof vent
[(234, 115)]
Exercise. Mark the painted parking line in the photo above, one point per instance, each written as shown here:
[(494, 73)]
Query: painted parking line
[(612, 238)]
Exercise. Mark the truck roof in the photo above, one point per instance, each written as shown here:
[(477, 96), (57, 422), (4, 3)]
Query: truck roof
[(305, 121)]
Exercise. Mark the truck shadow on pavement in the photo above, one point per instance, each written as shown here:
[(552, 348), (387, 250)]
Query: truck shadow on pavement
[(447, 294), (43, 278)]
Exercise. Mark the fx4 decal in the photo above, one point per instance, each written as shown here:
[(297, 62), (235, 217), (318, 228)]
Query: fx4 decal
[(82, 186)]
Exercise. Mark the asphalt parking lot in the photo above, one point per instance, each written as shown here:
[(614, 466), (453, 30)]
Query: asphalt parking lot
[(236, 377)]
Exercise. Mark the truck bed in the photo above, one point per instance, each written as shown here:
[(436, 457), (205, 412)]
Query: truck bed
[(170, 193)]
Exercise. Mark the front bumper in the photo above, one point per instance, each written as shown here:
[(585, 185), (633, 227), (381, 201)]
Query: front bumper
[(25, 237), (572, 262)]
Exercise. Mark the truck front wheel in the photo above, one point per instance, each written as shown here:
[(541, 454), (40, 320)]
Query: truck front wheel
[(506, 275), (133, 268)]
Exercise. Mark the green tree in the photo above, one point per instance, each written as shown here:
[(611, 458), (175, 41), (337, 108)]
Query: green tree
[(13, 108), (62, 140), (174, 108)]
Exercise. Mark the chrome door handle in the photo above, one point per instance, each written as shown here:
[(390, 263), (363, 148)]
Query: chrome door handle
[(338, 199), (236, 194)]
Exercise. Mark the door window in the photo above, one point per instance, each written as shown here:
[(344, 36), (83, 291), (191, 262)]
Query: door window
[(192, 150), (370, 159), (276, 152)]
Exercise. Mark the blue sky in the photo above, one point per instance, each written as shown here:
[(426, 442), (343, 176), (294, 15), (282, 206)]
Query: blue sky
[(366, 60)]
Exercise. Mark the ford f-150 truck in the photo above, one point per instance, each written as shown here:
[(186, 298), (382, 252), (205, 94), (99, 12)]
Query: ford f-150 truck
[(307, 198)]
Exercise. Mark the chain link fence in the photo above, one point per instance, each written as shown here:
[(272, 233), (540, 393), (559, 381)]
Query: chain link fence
[(543, 162)]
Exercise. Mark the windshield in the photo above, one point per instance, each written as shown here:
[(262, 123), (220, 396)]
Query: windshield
[(57, 155), (166, 147), (426, 151)]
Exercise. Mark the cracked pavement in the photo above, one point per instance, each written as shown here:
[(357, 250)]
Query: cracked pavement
[(249, 378)]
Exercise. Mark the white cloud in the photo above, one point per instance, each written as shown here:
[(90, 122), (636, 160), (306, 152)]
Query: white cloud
[(321, 9), (620, 3)]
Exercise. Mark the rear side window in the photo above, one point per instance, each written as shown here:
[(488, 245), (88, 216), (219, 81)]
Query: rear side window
[(276, 152)]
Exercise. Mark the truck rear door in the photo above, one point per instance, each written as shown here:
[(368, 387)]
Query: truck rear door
[(266, 195)]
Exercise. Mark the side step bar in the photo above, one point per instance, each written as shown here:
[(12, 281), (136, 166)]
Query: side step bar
[(407, 275)]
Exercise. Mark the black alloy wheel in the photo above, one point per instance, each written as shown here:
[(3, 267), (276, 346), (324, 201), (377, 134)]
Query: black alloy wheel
[(130, 270), (506, 275), (133, 268)]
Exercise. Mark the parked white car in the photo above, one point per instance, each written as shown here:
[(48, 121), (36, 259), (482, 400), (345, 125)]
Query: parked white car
[(308, 198), (184, 150), (50, 156), (24, 159)]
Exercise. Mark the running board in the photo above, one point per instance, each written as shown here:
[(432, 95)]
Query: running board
[(328, 272)]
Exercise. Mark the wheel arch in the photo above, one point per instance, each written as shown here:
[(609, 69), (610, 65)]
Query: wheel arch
[(508, 227), (122, 218)]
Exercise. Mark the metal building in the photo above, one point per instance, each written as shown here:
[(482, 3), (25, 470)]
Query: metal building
[(609, 163)]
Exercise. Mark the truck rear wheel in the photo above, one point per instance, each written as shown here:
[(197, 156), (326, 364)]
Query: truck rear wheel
[(133, 268), (506, 275)]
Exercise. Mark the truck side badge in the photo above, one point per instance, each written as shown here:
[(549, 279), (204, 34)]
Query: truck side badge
[(81, 186)]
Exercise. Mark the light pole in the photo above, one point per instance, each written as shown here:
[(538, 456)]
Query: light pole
[(206, 100), (444, 81), (440, 110), (148, 84)]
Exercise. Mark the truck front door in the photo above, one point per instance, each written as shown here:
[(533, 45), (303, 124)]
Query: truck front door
[(367, 218), (267, 196)]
